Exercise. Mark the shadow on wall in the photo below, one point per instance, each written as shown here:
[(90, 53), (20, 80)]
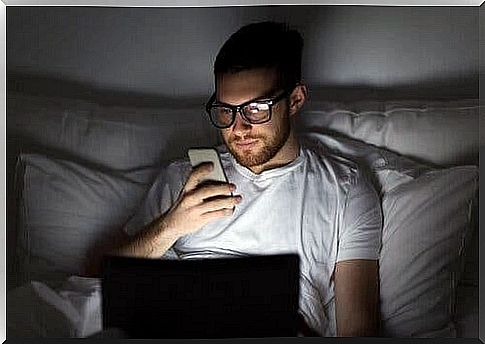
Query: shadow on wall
[(44, 85), (466, 87), (171, 50), (437, 89)]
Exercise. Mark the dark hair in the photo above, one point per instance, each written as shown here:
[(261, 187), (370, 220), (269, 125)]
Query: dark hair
[(263, 45)]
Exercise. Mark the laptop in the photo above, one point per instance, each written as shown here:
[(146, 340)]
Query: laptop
[(246, 297)]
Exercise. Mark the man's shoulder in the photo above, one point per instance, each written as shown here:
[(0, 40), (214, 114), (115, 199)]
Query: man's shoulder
[(175, 171), (344, 169), (178, 165)]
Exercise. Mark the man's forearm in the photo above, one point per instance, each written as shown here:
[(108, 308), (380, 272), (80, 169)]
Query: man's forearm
[(151, 242), (357, 298), (358, 328)]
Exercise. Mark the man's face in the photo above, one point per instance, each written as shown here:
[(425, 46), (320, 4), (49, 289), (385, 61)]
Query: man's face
[(254, 144)]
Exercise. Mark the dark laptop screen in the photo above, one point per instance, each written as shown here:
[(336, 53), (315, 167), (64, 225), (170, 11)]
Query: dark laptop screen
[(253, 296)]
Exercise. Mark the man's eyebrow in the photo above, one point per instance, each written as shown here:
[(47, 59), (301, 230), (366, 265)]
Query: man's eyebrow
[(266, 95)]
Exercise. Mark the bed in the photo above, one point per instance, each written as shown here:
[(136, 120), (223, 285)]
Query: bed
[(78, 167)]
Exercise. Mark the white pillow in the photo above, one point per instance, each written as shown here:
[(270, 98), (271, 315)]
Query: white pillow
[(427, 219), (66, 208), (115, 137), (426, 223), (440, 132)]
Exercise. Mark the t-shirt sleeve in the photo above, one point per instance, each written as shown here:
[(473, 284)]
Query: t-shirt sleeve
[(361, 226), (162, 194)]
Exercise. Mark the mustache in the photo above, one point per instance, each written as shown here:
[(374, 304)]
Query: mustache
[(243, 138)]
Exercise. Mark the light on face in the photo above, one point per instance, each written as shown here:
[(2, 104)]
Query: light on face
[(257, 107)]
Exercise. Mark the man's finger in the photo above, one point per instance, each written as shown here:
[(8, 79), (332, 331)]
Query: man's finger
[(217, 214), (212, 190), (198, 172), (218, 204)]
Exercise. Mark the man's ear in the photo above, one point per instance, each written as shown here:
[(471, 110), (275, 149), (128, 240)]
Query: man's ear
[(297, 99)]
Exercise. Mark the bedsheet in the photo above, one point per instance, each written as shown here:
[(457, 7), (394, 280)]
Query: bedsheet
[(71, 308)]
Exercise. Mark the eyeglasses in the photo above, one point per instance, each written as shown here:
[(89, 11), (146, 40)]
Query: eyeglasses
[(253, 111)]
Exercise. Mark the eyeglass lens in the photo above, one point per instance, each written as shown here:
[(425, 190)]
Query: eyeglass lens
[(254, 113)]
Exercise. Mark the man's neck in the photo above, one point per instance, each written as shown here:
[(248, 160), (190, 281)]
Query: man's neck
[(289, 152)]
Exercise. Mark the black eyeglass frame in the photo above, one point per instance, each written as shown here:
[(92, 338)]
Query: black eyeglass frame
[(238, 108)]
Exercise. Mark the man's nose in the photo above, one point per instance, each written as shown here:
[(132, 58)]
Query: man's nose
[(240, 124)]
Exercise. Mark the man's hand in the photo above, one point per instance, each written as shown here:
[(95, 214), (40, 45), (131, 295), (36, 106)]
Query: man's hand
[(357, 298), (199, 203)]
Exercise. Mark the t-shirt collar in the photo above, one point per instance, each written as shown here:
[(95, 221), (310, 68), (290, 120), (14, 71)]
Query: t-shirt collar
[(271, 173)]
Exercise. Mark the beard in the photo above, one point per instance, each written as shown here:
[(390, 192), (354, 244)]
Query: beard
[(266, 149)]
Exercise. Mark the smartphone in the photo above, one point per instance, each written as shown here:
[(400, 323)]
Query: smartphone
[(200, 155)]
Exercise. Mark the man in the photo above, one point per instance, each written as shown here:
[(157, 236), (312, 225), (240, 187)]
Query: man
[(286, 198)]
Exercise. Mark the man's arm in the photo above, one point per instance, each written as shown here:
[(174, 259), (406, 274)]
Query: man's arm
[(147, 243), (357, 297), (197, 205)]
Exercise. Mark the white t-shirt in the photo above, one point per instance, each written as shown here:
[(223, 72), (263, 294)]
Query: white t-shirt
[(318, 206)]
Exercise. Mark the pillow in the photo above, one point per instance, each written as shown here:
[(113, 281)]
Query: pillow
[(115, 137), (427, 220), (66, 208), (444, 133)]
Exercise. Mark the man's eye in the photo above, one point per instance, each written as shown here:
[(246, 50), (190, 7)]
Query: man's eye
[(224, 111), (257, 107)]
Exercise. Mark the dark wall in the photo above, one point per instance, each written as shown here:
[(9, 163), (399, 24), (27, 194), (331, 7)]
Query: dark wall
[(169, 51)]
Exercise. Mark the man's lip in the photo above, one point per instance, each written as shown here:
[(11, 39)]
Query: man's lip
[(245, 142)]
